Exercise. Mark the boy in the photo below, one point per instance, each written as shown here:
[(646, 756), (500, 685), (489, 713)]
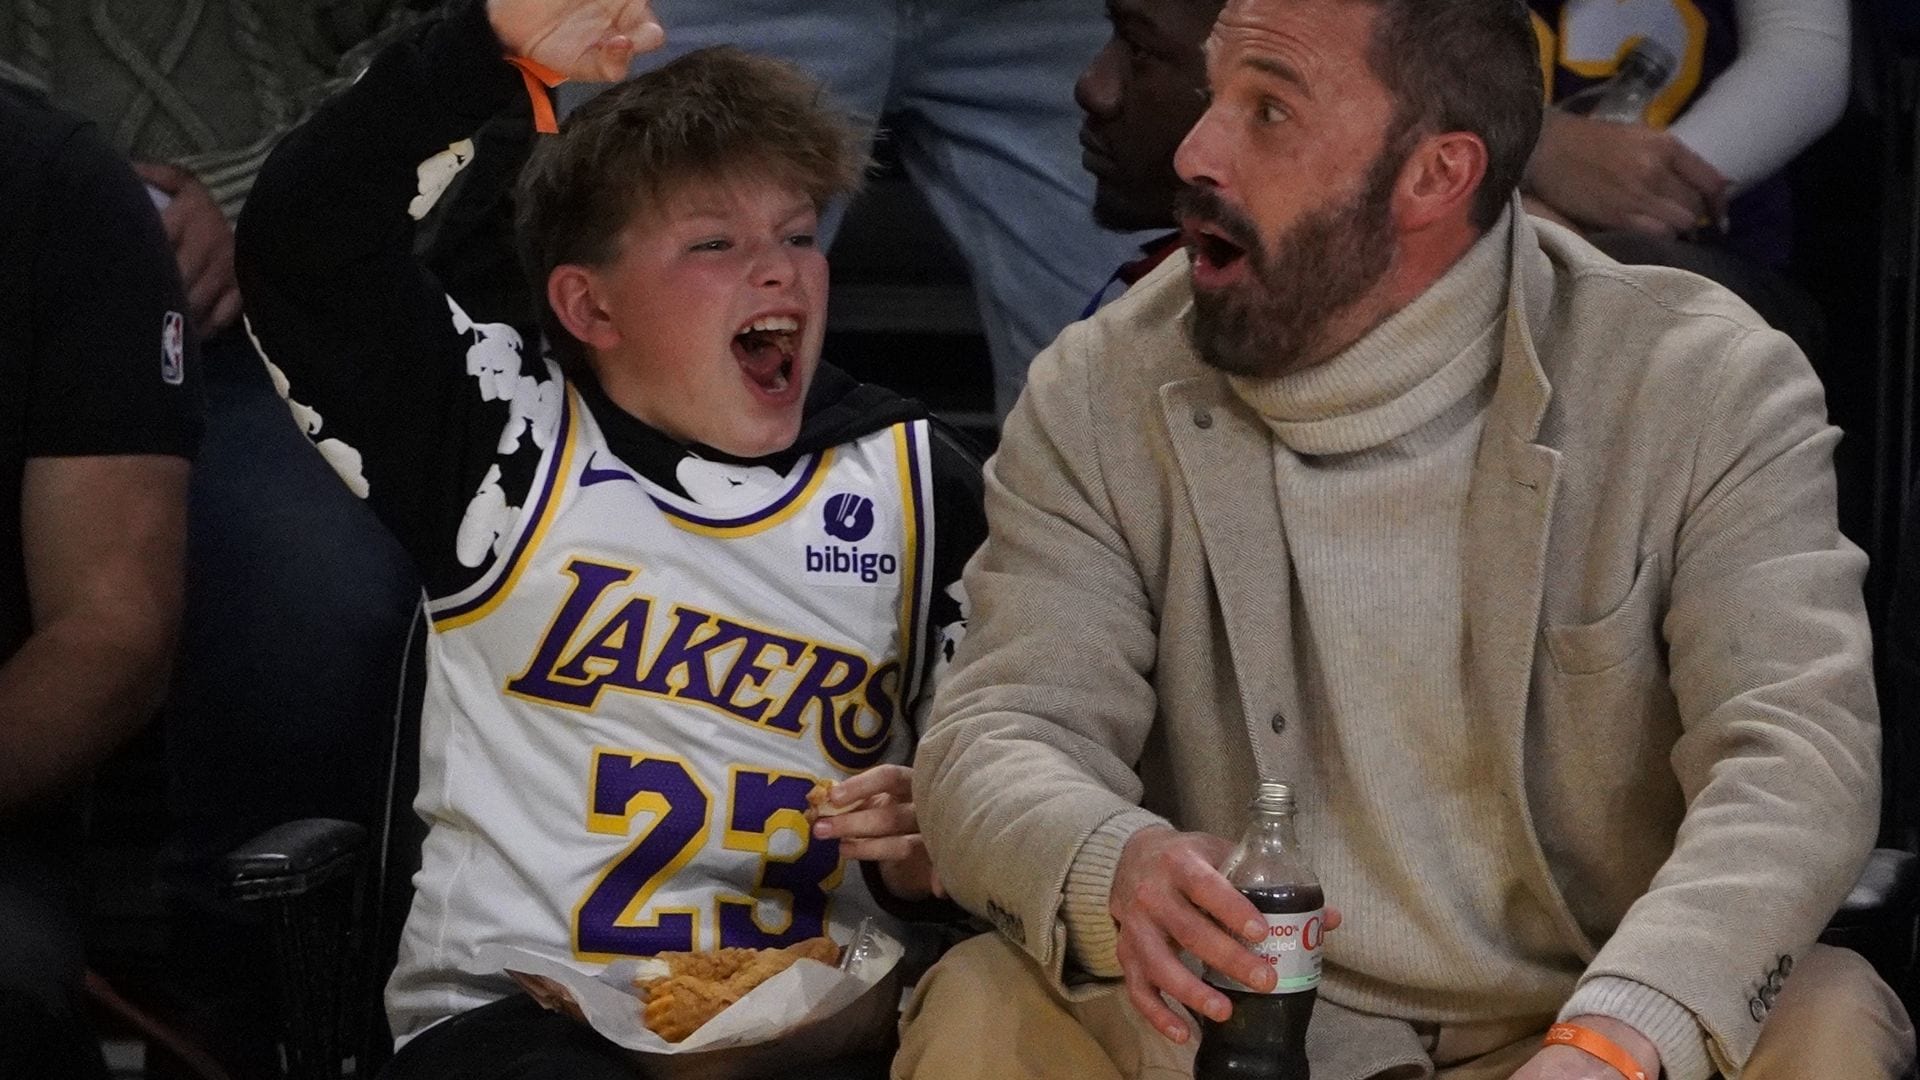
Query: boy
[(677, 576)]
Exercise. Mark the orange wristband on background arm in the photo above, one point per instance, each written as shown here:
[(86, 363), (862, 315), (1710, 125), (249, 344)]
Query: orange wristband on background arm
[(1592, 1042), (539, 79)]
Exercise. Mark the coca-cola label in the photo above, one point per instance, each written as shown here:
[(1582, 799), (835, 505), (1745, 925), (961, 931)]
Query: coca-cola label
[(1291, 948)]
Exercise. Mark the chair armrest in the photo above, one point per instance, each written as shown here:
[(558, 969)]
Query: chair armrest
[(1888, 887), (293, 859)]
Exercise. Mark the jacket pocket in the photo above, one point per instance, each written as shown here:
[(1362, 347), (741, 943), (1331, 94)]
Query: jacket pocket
[(1619, 635)]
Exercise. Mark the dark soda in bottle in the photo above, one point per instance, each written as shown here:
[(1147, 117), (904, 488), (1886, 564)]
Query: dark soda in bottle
[(1266, 1037)]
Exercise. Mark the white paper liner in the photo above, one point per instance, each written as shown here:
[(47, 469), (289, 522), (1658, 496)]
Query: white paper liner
[(806, 992)]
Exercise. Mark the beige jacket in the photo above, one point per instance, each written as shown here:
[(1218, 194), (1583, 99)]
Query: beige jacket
[(1667, 644)]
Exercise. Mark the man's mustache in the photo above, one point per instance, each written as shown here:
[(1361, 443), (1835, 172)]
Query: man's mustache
[(1204, 205)]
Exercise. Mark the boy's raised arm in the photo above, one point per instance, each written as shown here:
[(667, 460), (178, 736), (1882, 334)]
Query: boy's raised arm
[(404, 390)]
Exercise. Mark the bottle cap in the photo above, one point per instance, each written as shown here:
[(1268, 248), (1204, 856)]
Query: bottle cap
[(1275, 797)]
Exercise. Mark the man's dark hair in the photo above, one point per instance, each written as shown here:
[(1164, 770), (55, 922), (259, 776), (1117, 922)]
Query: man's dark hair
[(713, 115), (1464, 65)]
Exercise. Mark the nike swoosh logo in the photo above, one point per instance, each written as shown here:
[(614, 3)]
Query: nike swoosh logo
[(590, 476)]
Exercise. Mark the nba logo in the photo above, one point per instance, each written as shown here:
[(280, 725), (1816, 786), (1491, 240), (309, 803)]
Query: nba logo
[(848, 517), (173, 349)]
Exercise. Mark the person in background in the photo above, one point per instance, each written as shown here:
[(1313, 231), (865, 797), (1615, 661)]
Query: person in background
[(1686, 169), (1140, 96), (297, 601), (97, 425), (1520, 564)]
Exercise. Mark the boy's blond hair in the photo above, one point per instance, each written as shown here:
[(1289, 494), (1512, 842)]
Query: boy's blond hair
[(713, 115)]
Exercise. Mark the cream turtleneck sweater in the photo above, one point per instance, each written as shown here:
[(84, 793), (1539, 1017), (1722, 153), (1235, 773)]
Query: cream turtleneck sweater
[(1373, 455)]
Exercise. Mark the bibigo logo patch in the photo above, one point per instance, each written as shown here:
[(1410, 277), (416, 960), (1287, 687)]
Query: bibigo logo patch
[(848, 519)]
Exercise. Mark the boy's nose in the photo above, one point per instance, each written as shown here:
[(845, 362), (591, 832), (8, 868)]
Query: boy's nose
[(775, 266)]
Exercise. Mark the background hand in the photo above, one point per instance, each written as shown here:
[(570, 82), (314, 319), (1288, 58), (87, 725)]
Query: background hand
[(1566, 1063), (591, 40), (202, 244), (1605, 175), (882, 828)]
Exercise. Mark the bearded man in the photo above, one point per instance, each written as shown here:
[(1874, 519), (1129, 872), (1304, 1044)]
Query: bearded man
[(1521, 565)]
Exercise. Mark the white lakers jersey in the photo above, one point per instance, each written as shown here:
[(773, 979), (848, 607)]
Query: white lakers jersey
[(624, 716)]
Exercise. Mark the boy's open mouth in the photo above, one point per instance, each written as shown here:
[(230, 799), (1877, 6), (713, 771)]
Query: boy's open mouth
[(766, 348)]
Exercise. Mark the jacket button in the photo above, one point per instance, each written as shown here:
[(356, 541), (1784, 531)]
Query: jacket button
[(1757, 1009), (1786, 965), (1278, 723), (1202, 419)]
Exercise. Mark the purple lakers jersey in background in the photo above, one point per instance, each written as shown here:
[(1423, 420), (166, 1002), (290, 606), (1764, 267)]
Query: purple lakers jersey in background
[(1582, 43)]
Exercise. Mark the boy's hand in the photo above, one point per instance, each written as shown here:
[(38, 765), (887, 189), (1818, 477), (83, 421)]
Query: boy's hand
[(877, 823), (591, 40)]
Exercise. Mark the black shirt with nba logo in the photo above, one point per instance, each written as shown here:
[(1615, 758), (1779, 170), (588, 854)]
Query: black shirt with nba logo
[(94, 351), (95, 355)]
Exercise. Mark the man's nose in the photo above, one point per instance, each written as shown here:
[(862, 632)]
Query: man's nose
[(1200, 159), (1097, 91)]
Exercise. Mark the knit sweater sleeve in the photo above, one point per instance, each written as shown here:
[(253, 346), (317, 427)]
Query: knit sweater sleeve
[(1665, 1022), (431, 411)]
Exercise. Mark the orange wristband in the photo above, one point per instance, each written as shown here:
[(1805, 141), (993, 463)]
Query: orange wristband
[(539, 79), (1598, 1045)]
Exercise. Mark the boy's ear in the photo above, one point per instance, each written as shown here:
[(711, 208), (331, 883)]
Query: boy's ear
[(573, 292)]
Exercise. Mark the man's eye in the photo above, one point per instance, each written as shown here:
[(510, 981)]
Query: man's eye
[(801, 240), (1271, 112), (712, 245)]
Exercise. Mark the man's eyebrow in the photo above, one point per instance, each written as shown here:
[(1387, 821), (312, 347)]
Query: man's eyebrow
[(1281, 70)]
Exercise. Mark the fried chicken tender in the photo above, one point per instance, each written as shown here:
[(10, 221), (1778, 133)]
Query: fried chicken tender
[(698, 985), (817, 804)]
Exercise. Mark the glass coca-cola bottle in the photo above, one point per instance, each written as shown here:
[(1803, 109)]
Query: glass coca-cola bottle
[(1266, 1037)]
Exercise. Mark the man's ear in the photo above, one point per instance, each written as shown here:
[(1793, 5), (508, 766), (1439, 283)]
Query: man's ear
[(1439, 180), (574, 293)]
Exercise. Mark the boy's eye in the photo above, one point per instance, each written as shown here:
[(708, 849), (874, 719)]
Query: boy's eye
[(712, 245), (801, 240)]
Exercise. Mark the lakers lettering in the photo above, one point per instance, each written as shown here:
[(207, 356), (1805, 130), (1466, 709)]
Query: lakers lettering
[(603, 638)]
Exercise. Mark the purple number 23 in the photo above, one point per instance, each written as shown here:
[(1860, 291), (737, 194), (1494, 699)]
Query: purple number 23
[(616, 918)]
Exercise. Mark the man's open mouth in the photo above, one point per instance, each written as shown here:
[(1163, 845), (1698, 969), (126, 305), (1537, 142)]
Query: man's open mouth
[(1211, 248), (766, 349)]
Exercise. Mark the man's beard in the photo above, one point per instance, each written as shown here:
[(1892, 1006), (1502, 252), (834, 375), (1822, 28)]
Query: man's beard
[(1328, 259)]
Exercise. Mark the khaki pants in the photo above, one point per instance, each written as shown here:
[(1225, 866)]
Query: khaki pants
[(985, 1012)]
